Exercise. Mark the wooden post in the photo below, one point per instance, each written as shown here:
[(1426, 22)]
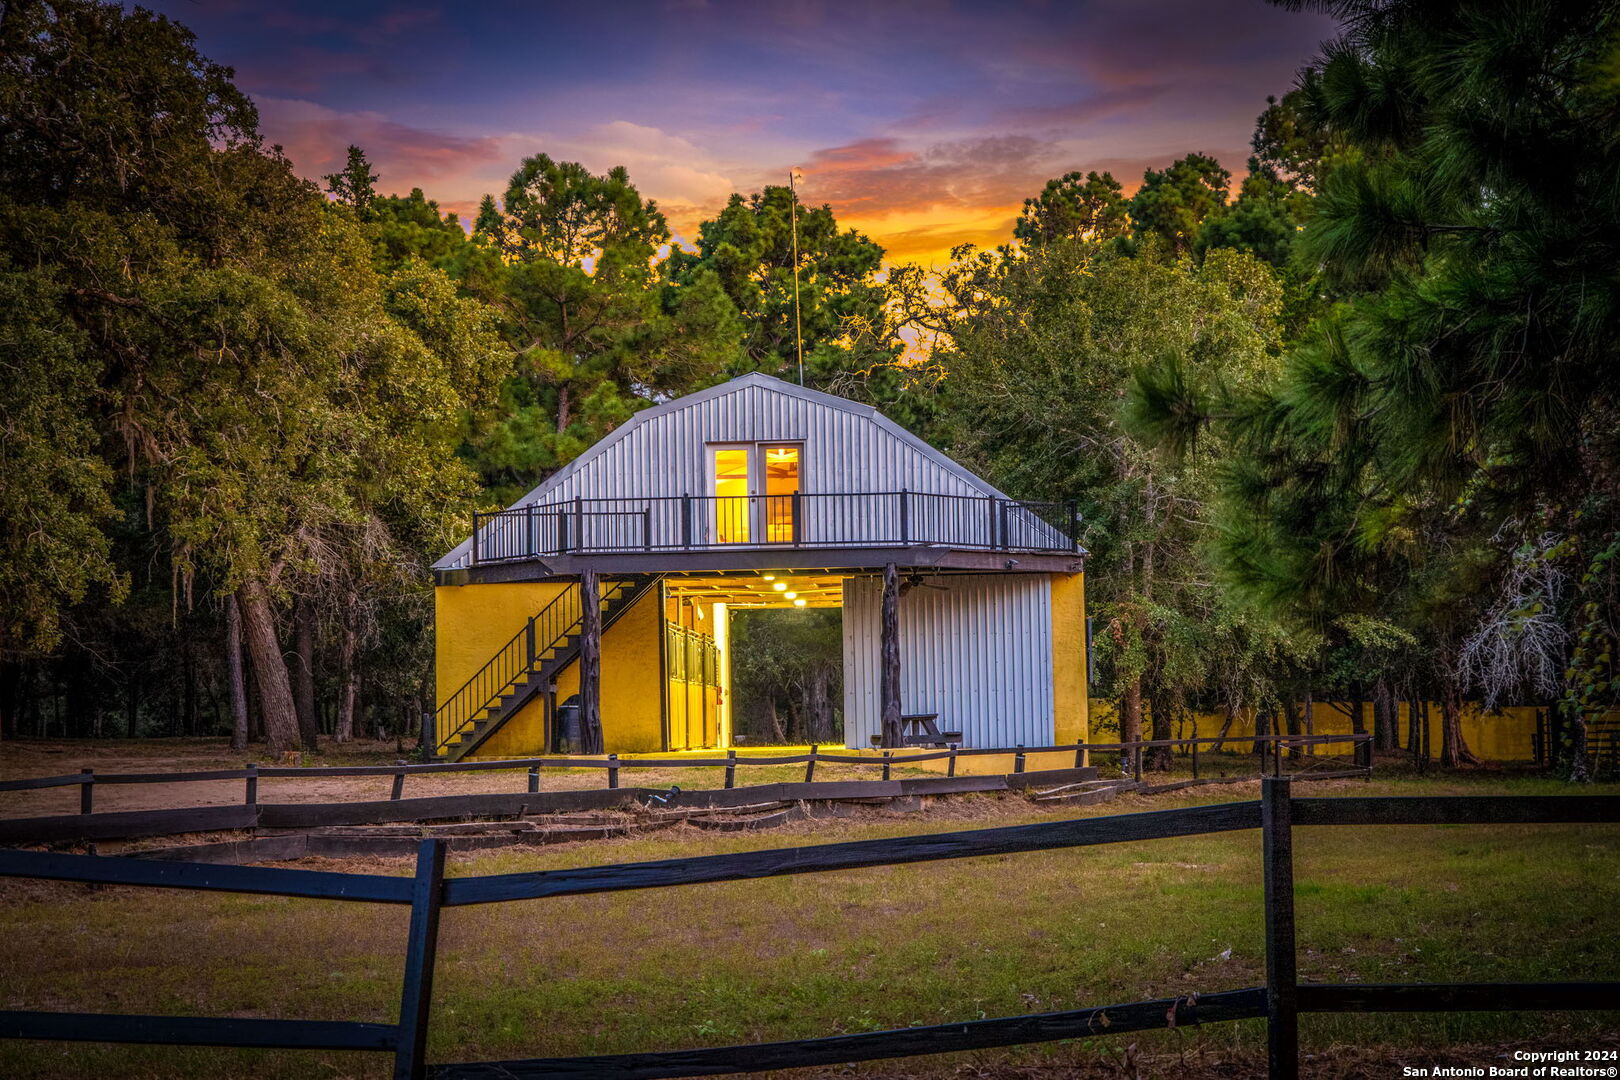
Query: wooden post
[(534, 779), (252, 795), (613, 770), (731, 768), (889, 684), (950, 766), (1080, 754), (1136, 762), (886, 754), (1195, 752), (421, 946), (590, 662), (399, 784), (686, 521), (1018, 759), (810, 766), (87, 791), (1282, 1004), (905, 516)]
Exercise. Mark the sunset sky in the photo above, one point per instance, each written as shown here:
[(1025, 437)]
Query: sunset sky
[(924, 124)]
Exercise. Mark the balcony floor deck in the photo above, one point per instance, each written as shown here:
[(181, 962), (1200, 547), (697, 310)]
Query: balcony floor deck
[(749, 559)]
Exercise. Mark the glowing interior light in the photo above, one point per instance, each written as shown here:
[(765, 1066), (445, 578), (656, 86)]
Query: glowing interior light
[(780, 586), (770, 577), (791, 595), (799, 602)]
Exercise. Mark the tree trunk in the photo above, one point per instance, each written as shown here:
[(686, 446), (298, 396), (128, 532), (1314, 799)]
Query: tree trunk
[(309, 721), (590, 663), (1262, 728), (276, 706), (1158, 757), (1291, 718), (1309, 713), (1386, 736), (1578, 772), (889, 685), (1130, 712), (349, 673), (1226, 728), (1414, 730), (1454, 751), (235, 682)]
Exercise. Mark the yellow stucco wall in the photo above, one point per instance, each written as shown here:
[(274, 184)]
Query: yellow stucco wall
[(1503, 736), (1071, 715), (473, 621)]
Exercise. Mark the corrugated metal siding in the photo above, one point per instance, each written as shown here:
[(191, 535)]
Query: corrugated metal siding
[(848, 449), (977, 651), (844, 451)]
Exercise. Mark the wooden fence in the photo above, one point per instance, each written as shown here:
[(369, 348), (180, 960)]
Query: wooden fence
[(1130, 757), (1280, 1001)]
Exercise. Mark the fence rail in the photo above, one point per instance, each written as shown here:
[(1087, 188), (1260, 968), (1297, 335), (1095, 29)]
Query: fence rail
[(860, 519), (1280, 1001), (1130, 758)]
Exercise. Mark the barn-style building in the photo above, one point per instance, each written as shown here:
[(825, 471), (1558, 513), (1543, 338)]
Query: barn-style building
[(614, 581)]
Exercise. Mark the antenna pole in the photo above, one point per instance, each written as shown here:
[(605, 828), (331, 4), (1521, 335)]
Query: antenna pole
[(793, 219)]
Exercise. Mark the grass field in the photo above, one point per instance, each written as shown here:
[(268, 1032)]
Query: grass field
[(859, 950)]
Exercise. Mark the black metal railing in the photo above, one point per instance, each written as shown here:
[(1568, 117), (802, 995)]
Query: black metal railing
[(860, 519)]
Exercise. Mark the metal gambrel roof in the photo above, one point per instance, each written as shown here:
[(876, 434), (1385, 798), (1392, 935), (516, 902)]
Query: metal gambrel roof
[(660, 451)]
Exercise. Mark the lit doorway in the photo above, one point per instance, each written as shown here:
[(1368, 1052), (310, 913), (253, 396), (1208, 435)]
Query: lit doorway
[(755, 490)]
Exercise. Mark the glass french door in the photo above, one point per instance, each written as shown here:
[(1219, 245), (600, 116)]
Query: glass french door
[(754, 488)]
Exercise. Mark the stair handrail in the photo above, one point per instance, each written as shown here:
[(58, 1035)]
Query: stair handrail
[(484, 686), (525, 643)]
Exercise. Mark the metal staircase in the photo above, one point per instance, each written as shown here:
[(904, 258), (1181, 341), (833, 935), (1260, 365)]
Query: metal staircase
[(525, 666)]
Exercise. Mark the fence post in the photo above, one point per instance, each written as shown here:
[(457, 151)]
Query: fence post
[(1080, 754), (905, 516), (810, 766), (1074, 525), (87, 791), (251, 798), (731, 768), (950, 767), (534, 779), (399, 782), (886, 755), (1136, 762), (1195, 751), (531, 531), (421, 946), (686, 521), (1282, 1004), (1018, 759), (430, 740), (613, 770)]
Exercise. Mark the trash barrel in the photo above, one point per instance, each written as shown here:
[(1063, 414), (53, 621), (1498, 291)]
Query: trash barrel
[(570, 733)]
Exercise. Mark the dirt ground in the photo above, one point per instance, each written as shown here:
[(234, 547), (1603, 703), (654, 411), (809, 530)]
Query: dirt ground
[(26, 758)]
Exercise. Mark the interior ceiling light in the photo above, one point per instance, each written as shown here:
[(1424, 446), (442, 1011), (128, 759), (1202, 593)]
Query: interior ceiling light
[(770, 577), (799, 602), (791, 595), (780, 586)]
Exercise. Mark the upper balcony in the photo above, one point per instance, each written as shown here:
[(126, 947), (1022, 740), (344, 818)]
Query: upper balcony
[(767, 529)]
